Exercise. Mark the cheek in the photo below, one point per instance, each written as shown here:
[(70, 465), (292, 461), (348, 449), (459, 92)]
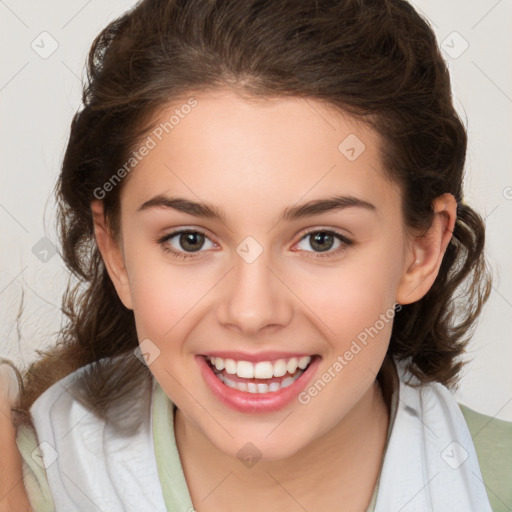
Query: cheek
[(356, 311), (356, 318), (161, 293), (353, 296), (162, 300)]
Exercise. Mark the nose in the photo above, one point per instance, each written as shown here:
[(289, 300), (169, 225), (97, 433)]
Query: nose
[(254, 299)]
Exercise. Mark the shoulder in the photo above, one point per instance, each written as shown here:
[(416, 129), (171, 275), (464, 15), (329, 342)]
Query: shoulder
[(484, 444), (79, 400), (71, 438), (50, 408), (492, 439), (34, 474), (36, 441), (66, 415)]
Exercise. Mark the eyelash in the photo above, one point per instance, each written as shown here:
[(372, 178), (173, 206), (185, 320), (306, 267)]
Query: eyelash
[(345, 243)]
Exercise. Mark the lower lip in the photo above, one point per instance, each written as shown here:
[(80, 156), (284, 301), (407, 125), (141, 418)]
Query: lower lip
[(258, 402)]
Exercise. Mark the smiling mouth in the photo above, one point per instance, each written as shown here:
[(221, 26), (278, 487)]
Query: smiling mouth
[(259, 378)]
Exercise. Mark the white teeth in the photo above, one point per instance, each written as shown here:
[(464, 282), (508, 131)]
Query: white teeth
[(304, 361), (261, 388), (252, 387), (230, 366), (280, 368), (245, 369), (241, 386), (274, 386), (286, 382), (262, 369), (292, 365)]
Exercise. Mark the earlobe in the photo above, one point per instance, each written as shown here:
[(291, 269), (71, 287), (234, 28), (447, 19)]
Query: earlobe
[(111, 253), (427, 251)]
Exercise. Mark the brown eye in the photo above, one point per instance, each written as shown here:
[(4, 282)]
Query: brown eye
[(321, 241), (184, 243), (191, 241)]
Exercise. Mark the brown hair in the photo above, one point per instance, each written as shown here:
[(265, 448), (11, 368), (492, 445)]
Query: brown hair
[(375, 59)]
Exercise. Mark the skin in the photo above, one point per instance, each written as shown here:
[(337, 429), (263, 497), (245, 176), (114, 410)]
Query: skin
[(12, 493), (252, 159)]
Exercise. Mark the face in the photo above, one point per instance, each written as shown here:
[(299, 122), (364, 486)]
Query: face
[(258, 235)]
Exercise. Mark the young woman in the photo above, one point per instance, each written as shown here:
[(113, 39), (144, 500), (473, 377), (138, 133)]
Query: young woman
[(262, 202)]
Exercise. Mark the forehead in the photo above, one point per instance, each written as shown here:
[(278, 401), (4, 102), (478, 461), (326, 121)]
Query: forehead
[(219, 144)]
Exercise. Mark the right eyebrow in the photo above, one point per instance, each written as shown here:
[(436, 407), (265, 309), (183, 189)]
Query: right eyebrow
[(183, 205)]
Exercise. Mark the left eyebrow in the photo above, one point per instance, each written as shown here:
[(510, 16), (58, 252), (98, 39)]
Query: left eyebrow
[(314, 207), (318, 206)]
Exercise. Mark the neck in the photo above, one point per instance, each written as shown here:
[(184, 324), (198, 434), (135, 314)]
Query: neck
[(352, 451)]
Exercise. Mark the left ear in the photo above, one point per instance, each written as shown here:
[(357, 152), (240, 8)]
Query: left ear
[(427, 251)]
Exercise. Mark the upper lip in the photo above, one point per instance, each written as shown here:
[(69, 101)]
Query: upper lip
[(255, 358)]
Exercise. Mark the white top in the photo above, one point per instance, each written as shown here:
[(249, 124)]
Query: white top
[(430, 462), (89, 464)]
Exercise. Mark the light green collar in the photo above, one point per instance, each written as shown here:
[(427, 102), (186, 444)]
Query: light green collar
[(170, 471)]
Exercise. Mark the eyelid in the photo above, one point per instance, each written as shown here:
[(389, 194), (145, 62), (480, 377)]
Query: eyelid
[(325, 229), (322, 228), (187, 229), (345, 242)]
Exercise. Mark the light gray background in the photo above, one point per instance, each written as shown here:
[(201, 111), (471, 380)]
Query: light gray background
[(38, 97)]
